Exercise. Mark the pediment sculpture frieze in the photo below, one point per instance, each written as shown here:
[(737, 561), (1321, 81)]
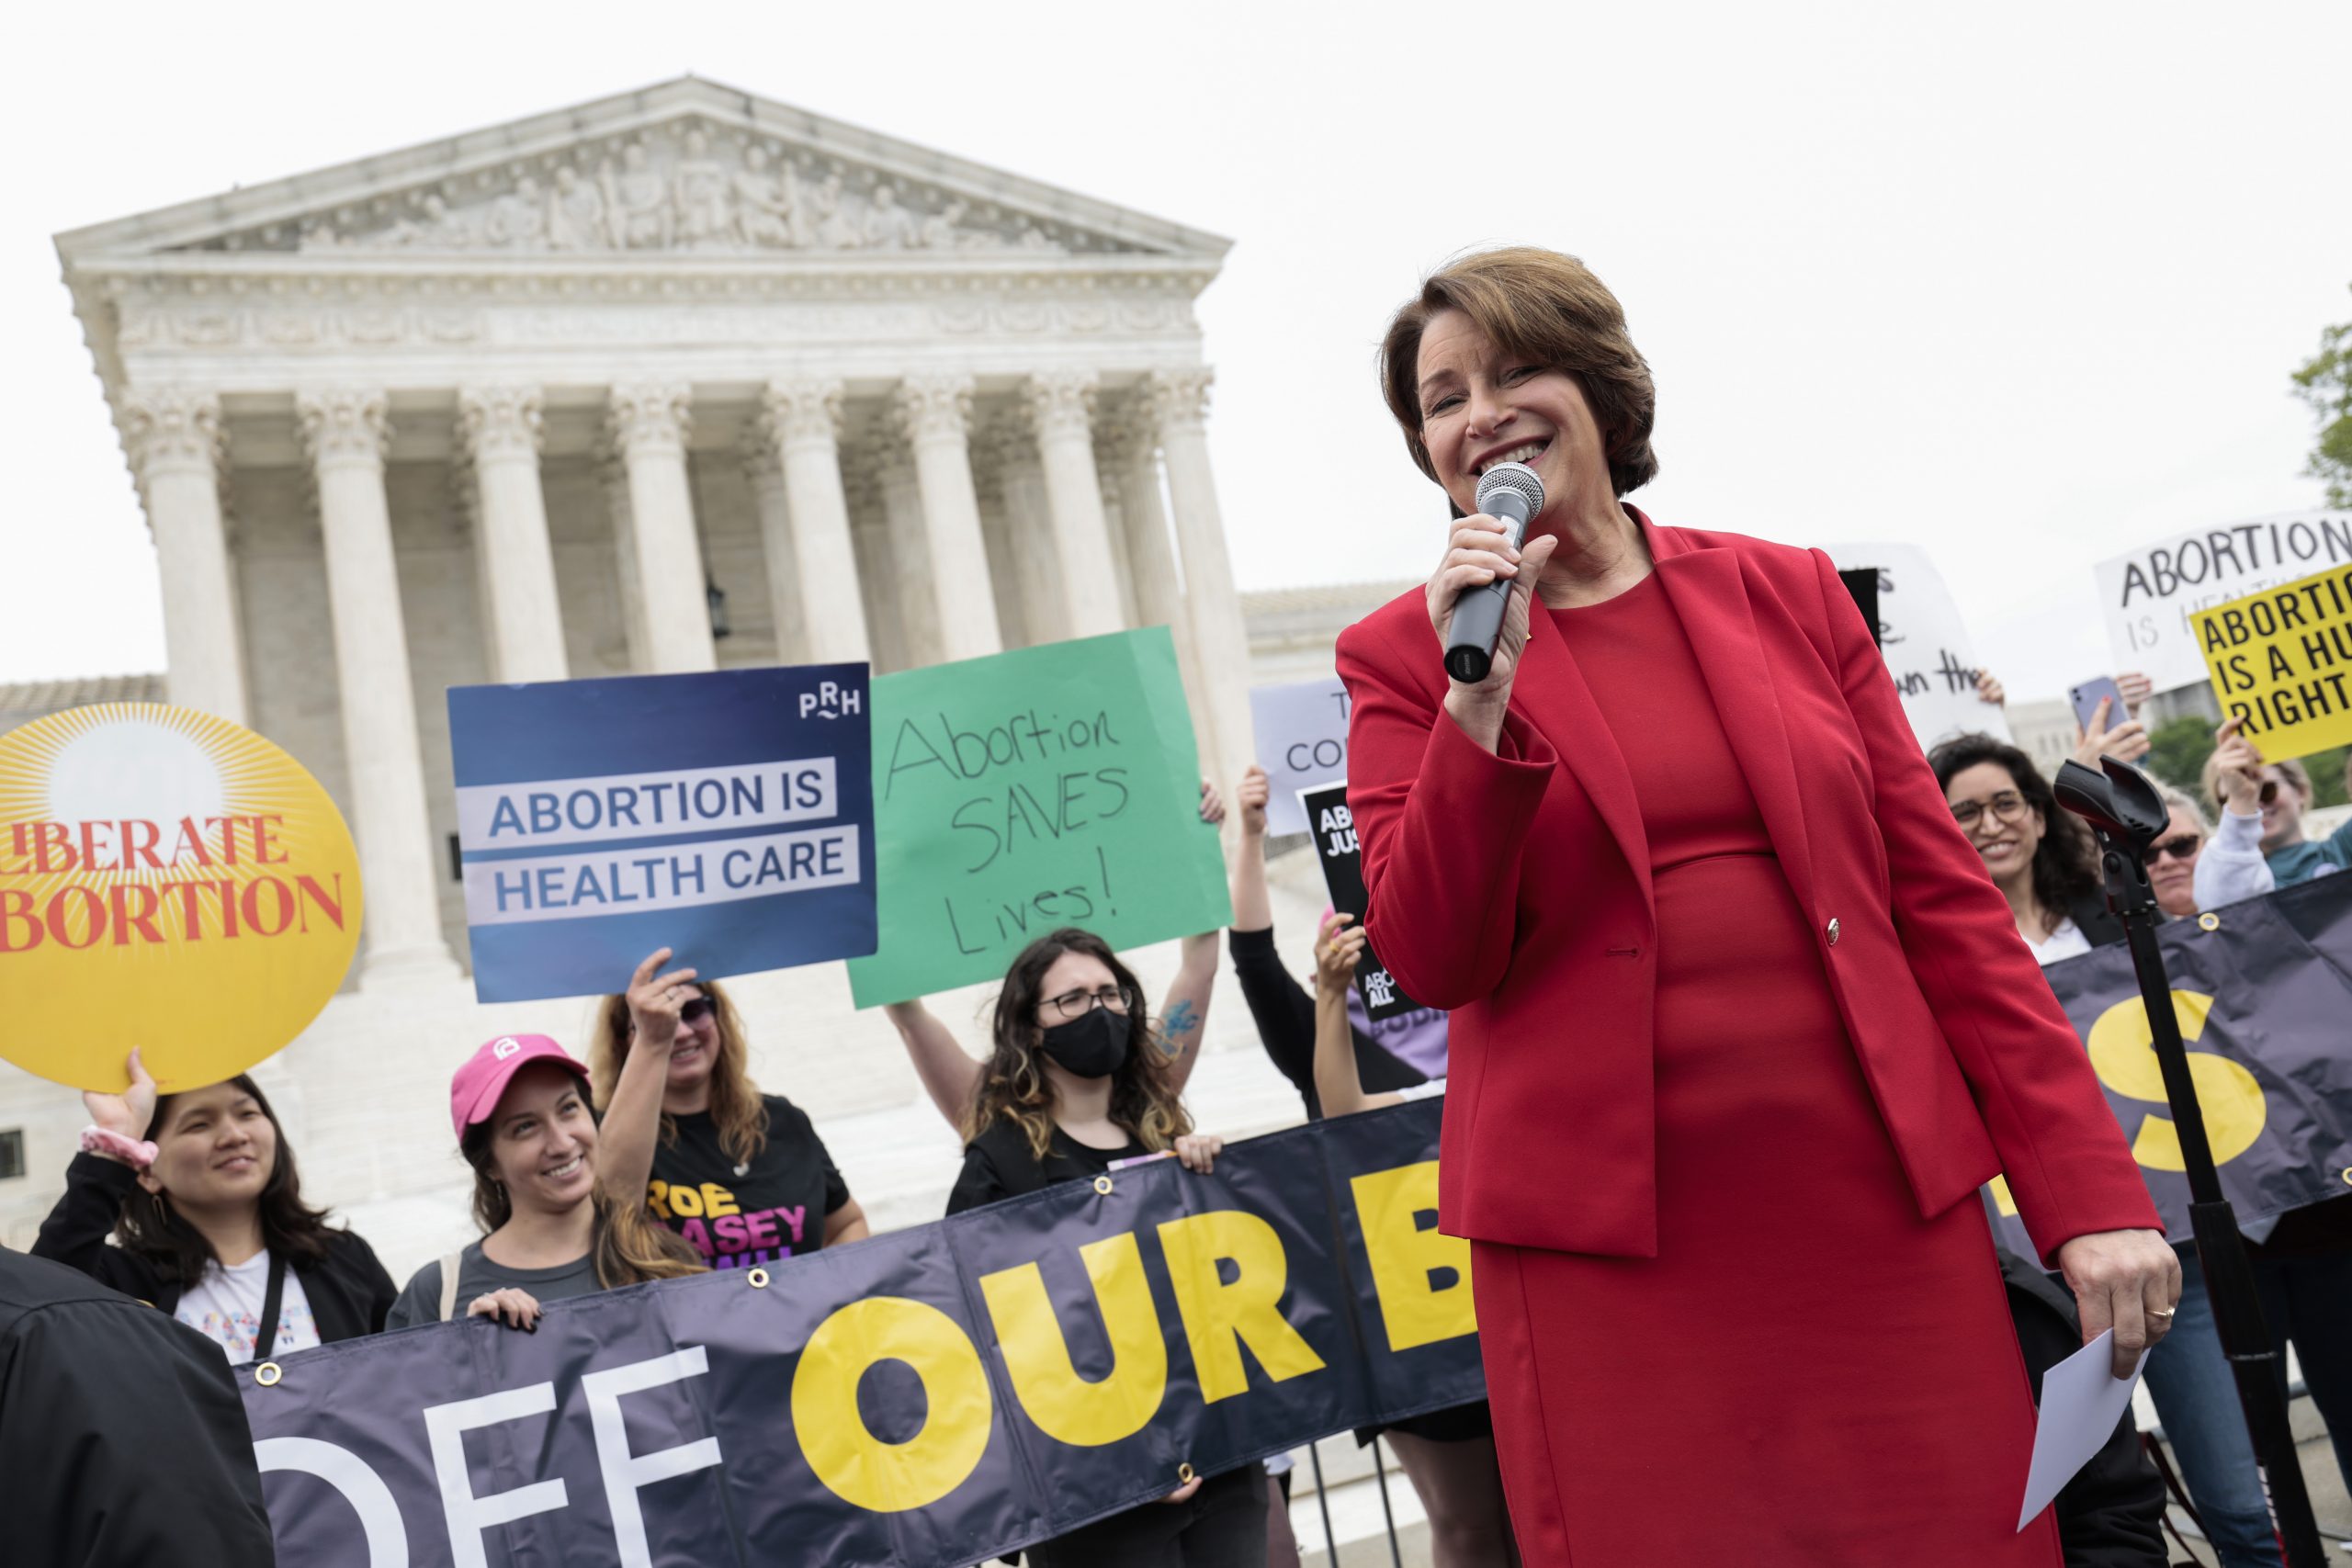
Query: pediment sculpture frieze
[(681, 188)]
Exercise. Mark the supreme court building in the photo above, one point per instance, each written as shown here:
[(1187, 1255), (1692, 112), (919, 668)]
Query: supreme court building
[(674, 380)]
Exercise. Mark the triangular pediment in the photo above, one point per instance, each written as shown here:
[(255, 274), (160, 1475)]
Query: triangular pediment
[(685, 168)]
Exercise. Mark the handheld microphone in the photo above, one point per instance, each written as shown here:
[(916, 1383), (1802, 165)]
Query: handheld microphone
[(1509, 491)]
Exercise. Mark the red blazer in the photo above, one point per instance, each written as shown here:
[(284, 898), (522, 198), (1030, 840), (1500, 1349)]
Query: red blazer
[(1514, 889)]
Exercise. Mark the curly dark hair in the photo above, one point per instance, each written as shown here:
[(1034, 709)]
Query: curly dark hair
[(2065, 865), (1013, 1084), (150, 1228)]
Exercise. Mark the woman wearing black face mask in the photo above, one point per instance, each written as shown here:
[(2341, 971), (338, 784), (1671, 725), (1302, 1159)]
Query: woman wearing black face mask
[(1076, 1083)]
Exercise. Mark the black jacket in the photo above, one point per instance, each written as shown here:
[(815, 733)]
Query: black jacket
[(121, 1435), (349, 1292), (2100, 925), (2111, 1513), (1284, 1014)]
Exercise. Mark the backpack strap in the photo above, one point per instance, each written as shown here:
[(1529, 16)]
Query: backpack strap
[(449, 1266), (273, 1296)]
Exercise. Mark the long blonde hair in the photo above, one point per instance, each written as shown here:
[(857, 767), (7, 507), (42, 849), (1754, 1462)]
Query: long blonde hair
[(736, 1108), (1013, 1086)]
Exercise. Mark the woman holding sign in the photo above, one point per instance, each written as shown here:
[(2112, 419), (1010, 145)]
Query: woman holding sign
[(1077, 1086), (201, 1194), (1738, 1026), (741, 1175)]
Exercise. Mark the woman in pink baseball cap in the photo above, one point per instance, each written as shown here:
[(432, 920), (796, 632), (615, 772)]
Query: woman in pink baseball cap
[(520, 1108)]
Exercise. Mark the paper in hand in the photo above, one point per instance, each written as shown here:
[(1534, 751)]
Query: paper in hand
[(2081, 1399)]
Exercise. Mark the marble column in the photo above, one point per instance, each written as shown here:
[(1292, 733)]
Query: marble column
[(1133, 461), (801, 421), (612, 474), (1220, 640), (499, 427), (346, 434), (173, 435), (935, 412), (913, 582), (647, 428), (1021, 478), (765, 471), (1061, 402)]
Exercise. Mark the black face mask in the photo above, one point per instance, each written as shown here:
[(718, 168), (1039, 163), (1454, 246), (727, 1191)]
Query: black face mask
[(1094, 1047)]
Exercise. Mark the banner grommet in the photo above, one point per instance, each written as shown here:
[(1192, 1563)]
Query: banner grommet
[(757, 1279), (1104, 1184), (1184, 1474), (267, 1374), (2209, 922)]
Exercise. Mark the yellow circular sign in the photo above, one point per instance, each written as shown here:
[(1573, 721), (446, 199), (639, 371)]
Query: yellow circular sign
[(168, 880)]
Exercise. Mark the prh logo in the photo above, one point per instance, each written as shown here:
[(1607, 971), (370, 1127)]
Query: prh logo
[(830, 700)]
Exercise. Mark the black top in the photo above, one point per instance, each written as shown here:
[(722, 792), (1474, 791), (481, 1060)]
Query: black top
[(2100, 925), (737, 1215), (1284, 1013), (348, 1290), (121, 1433), (998, 1165)]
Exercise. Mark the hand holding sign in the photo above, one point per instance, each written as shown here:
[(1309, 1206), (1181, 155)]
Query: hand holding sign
[(655, 1001), (129, 1113), (1338, 947)]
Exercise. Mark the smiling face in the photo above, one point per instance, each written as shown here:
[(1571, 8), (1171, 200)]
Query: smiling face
[(1481, 406), (2282, 814), (2007, 830), (543, 1139), (215, 1149), (2171, 875)]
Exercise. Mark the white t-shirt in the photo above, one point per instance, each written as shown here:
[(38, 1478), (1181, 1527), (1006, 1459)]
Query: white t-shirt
[(2066, 941), (1429, 1090), (225, 1307)]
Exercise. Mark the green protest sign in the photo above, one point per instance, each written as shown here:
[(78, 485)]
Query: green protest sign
[(1050, 787)]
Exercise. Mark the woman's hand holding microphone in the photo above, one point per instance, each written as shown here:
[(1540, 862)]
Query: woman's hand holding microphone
[(1479, 553)]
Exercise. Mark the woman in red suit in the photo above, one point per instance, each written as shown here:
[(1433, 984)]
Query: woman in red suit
[(1739, 1025)]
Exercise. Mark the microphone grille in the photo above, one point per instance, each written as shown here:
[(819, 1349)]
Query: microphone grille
[(1515, 478)]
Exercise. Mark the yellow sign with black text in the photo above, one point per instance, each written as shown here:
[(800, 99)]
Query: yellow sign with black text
[(2281, 659)]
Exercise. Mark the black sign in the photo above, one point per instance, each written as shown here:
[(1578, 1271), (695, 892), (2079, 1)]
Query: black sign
[(1332, 828)]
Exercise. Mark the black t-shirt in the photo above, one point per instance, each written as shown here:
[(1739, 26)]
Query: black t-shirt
[(999, 1164), (739, 1215)]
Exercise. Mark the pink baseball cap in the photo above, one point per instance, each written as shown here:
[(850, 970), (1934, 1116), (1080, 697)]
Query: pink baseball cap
[(475, 1087)]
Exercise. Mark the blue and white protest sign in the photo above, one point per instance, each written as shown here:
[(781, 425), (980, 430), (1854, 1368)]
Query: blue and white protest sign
[(727, 815), (1301, 727)]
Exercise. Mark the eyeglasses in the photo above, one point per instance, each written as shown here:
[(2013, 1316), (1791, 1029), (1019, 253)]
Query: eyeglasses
[(2267, 795), (2006, 806), (1071, 1005), (2182, 848)]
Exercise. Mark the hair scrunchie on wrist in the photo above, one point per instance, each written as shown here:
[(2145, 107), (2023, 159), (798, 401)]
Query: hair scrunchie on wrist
[(136, 1153)]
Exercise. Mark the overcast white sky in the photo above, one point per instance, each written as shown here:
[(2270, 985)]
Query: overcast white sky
[(2019, 283)]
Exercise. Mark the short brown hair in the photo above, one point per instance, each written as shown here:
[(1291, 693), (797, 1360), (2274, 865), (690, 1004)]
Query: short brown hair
[(1552, 309)]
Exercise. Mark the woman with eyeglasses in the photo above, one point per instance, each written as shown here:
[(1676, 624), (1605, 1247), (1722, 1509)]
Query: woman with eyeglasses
[(743, 1176), (1076, 1084), (2041, 858)]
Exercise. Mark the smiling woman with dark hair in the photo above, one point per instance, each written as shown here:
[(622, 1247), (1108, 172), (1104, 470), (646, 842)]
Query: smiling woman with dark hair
[(201, 1194), (1736, 1025), (2041, 857)]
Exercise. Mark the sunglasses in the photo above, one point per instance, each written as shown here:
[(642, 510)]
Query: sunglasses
[(694, 1011), (2181, 847)]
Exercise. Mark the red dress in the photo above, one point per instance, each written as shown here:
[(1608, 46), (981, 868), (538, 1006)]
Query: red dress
[(1808, 1374)]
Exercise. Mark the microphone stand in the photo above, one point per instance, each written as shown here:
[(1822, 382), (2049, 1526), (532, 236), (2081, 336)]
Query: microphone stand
[(2125, 815)]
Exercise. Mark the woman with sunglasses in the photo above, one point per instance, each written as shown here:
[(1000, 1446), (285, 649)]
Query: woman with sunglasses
[(200, 1192), (2281, 793), (743, 1176)]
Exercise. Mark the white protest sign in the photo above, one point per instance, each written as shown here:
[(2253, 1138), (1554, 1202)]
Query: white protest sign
[(1302, 732), (2147, 595), (1925, 645)]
